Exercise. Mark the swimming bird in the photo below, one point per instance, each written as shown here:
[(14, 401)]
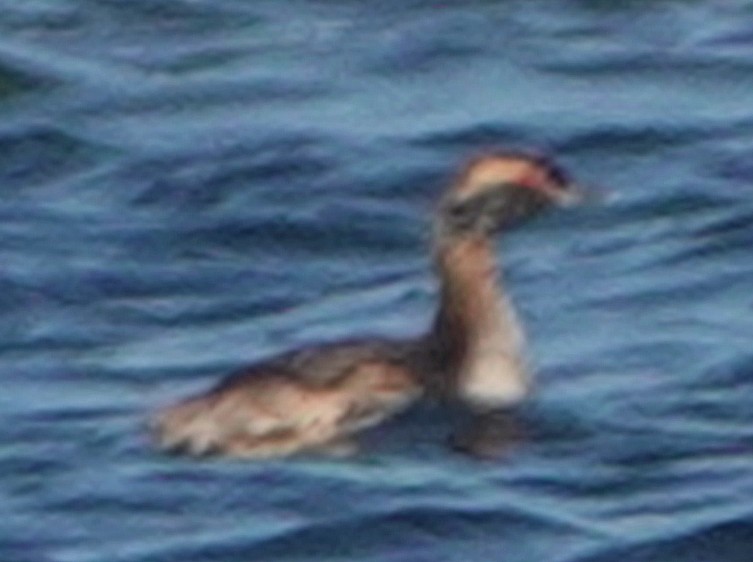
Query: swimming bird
[(316, 399)]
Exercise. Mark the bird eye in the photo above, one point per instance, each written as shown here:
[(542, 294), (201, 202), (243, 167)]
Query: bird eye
[(555, 173), (558, 175)]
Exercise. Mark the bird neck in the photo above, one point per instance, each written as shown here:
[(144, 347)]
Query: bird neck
[(469, 291), (475, 331)]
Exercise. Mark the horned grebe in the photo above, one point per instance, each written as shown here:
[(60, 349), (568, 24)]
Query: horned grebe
[(316, 399)]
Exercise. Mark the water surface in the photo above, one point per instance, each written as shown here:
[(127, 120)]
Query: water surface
[(189, 186)]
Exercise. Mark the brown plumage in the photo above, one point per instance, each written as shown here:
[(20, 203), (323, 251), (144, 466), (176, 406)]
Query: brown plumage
[(316, 399), (305, 400)]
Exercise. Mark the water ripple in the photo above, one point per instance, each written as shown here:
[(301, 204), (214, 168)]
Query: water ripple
[(194, 185)]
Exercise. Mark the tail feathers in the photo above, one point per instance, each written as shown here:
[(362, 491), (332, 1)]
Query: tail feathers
[(210, 424), (191, 427)]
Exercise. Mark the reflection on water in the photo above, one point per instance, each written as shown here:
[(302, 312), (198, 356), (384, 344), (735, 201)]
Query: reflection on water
[(191, 186)]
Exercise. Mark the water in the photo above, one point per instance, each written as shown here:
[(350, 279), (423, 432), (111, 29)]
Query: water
[(191, 185)]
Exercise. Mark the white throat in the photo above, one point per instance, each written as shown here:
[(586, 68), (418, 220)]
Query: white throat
[(493, 373)]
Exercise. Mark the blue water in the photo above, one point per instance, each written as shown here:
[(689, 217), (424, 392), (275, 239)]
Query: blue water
[(192, 185)]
